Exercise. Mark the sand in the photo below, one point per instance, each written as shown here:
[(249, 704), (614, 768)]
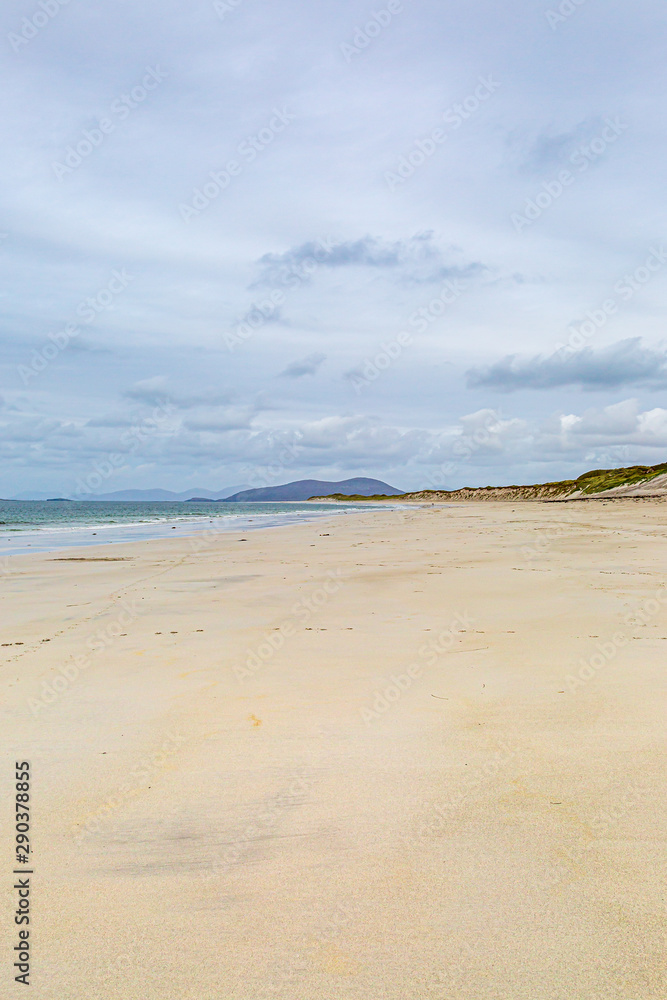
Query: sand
[(443, 779)]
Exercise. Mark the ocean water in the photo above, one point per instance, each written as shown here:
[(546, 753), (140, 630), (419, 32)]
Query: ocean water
[(36, 526)]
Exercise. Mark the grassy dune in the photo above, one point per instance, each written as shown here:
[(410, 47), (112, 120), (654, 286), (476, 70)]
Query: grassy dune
[(595, 483)]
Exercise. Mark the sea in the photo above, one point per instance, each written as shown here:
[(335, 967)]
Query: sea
[(44, 526)]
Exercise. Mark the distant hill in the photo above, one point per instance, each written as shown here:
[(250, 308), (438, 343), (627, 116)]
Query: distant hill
[(307, 488), (158, 496)]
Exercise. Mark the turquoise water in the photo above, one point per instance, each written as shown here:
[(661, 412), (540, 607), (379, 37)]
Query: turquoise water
[(36, 526)]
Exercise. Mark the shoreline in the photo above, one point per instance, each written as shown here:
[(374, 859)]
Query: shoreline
[(55, 538)]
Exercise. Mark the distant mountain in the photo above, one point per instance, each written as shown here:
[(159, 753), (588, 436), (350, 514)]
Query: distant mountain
[(307, 488), (302, 490), (158, 496)]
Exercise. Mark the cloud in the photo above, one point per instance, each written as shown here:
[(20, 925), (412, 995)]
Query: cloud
[(620, 423), (157, 392), (323, 176), (417, 259), (109, 422), (235, 418), (476, 449), (550, 150), (617, 420), (623, 363), (308, 366), (79, 345)]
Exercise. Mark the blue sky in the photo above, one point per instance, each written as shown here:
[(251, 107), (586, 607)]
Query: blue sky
[(417, 240)]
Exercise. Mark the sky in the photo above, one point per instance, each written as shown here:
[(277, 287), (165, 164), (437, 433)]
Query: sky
[(245, 242)]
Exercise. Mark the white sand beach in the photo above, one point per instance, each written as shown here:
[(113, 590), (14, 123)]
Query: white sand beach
[(401, 755)]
